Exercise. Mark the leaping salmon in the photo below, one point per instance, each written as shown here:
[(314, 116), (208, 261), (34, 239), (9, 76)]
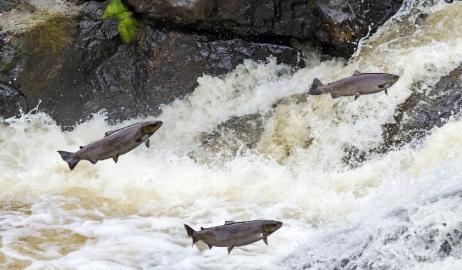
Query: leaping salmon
[(235, 234), (114, 143), (356, 85)]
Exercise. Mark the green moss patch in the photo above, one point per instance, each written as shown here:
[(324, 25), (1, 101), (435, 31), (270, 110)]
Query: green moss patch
[(128, 26)]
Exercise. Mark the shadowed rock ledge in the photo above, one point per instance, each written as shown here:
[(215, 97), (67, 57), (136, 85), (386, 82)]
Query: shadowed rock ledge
[(75, 64)]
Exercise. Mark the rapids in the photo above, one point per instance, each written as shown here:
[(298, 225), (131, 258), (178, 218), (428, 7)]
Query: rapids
[(398, 210)]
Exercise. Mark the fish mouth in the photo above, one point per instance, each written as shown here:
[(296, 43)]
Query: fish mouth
[(151, 127), (392, 79), (278, 225), (272, 227)]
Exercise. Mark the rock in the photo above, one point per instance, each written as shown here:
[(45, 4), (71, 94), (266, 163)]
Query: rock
[(423, 111), (334, 24), (339, 25), (12, 101), (236, 135), (7, 5), (77, 66)]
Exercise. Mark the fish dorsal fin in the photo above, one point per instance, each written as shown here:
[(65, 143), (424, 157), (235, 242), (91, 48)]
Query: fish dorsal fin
[(229, 222), (202, 228), (81, 147), (110, 132), (356, 73), (114, 131)]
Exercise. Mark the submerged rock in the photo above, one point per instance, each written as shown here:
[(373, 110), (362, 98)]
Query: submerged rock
[(335, 25), (400, 239), (232, 137)]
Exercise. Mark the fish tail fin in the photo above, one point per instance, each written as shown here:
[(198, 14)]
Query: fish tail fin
[(70, 158), (316, 87), (191, 233)]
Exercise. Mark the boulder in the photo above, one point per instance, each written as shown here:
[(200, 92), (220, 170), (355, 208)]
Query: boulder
[(77, 66), (334, 24), (421, 112)]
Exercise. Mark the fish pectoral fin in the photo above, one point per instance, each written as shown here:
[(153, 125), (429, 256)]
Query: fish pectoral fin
[(265, 238), (202, 228), (356, 73), (229, 249), (356, 97), (147, 143), (386, 91), (116, 158), (334, 95), (229, 222), (81, 147), (381, 86), (143, 138), (210, 245), (93, 161)]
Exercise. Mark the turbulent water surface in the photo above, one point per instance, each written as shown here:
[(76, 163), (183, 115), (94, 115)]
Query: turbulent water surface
[(400, 210)]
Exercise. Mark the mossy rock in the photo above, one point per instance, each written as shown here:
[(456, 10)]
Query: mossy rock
[(45, 50), (128, 27), (51, 36)]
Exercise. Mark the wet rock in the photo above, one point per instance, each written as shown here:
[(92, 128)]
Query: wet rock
[(7, 5), (334, 24), (339, 25), (77, 66), (12, 101), (234, 137), (421, 112), (237, 133)]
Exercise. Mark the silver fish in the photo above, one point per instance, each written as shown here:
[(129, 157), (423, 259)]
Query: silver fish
[(114, 143), (235, 234), (356, 85)]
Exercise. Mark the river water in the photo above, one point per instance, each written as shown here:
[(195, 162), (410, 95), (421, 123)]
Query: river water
[(400, 210)]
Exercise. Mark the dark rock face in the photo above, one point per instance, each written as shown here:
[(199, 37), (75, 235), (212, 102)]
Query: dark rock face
[(422, 112), (78, 66), (6, 5), (334, 24), (12, 100), (339, 25)]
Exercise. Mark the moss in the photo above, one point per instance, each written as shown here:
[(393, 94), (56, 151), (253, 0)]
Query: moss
[(127, 25)]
